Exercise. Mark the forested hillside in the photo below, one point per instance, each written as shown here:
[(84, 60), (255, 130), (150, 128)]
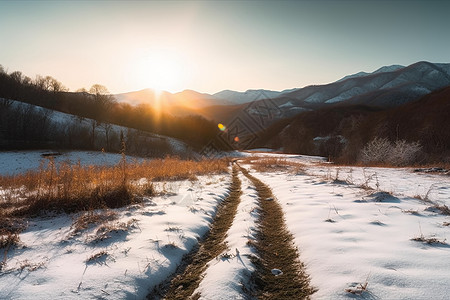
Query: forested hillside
[(25, 127)]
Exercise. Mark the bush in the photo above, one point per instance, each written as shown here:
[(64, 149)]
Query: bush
[(399, 153), (405, 153), (376, 151)]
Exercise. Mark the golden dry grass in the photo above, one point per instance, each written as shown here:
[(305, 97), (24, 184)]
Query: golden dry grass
[(72, 187), (273, 164)]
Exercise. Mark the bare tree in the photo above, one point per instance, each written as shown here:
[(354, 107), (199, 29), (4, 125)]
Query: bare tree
[(17, 76), (102, 102), (56, 86), (107, 127)]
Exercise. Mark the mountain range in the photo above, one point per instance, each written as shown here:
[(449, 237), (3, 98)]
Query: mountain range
[(388, 86), (400, 103)]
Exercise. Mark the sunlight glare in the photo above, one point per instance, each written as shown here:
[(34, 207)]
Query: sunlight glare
[(159, 70)]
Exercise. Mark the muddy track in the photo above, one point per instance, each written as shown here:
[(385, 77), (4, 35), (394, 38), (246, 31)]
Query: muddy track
[(276, 252), (190, 273), (274, 246)]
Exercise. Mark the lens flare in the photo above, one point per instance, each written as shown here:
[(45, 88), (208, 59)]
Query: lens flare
[(221, 127), (236, 139)]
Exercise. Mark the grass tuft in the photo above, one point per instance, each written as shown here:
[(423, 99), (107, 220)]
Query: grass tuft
[(9, 240), (429, 240)]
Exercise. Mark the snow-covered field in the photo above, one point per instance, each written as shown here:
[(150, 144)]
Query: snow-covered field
[(353, 227), (120, 258), (15, 162), (349, 236)]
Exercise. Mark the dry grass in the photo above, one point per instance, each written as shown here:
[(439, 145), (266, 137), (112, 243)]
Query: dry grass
[(106, 230), (358, 288), (276, 250), (429, 240), (90, 218), (73, 187), (443, 208), (9, 231), (30, 266), (98, 257), (10, 225), (9, 240), (273, 164), (414, 212)]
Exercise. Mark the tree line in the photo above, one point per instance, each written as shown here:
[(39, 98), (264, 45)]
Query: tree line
[(23, 126), (414, 133)]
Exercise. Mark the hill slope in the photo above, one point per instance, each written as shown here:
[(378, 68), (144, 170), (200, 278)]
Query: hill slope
[(386, 87), (341, 131)]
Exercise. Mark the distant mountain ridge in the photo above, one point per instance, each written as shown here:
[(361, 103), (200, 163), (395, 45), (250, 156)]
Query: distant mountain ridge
[(384, 69), (193, 99), (342, 131), (249, 95), (388, 86)]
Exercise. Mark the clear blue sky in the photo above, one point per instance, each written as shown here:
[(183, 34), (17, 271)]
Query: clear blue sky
[(209, 46)]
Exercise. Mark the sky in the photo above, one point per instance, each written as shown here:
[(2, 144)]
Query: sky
[(209, 46)]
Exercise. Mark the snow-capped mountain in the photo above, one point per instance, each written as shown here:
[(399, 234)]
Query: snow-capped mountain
[(249, 95), (384, 69), (391, 68), (186, 98), (385, 87), (189, 101)]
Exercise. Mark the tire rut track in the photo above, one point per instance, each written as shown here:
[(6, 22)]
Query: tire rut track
[(276, 250), (190, 273), (274, 246)]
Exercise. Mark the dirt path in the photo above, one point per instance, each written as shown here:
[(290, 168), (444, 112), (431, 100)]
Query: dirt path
[(279, 273), (188, 276)]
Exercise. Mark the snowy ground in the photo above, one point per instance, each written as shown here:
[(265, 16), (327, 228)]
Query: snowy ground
[(55, 261), (347, 235), (233, 267), (15, 162)]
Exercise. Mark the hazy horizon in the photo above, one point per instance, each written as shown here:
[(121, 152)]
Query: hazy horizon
[(213, 46)]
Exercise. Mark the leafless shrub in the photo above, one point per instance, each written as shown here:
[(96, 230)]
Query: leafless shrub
[(404, 153), (376, 151), (382, 151)]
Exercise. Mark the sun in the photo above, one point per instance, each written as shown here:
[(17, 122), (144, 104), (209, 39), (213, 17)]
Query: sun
[(158, 70)]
